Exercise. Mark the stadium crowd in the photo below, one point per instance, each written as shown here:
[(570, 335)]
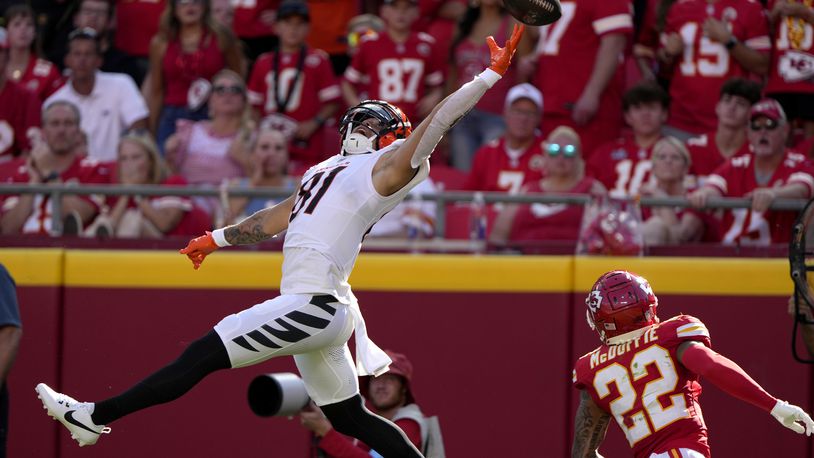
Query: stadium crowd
[(689, 98)]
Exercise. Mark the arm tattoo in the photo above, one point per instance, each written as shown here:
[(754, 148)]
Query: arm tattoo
[(247, 232), (590, 427)]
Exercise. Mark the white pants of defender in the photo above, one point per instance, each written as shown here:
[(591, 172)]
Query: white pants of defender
[(678, 453), (321, 353)]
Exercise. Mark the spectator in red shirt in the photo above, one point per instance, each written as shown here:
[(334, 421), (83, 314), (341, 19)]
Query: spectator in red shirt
[(399, 66), (52, 160), (136, 24), (667, 225), (507, 163), (254, 25), (708, 43), (188, 50), (294, 89), (139, 163), (578, 68), (769, 171), (710, 150), (388, 395), (564, 174), (25, 67), (623, 165), (19, 110)]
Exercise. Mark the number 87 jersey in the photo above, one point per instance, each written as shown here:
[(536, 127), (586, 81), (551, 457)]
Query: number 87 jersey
[(652, 397)]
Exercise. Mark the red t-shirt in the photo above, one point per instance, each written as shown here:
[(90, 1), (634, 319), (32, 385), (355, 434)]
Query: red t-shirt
[(19, 112), (41, 77), (136, 24), (494, 170), (180, 69), (567, 53), (550, 221), (736, 177), (621, 165), (705, 155), (247, 23), (82, 170), (705, 65), (641, 382), (792, 65), (399, 73)]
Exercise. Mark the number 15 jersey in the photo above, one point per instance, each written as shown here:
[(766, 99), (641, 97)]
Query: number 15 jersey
[(335, 206), (652, 397)]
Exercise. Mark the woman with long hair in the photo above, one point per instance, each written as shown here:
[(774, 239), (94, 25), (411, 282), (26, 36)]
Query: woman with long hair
[(24, 66), (188, 50)]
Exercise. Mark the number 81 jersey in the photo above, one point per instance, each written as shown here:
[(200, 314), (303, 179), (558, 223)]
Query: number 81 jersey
[(652, 397)]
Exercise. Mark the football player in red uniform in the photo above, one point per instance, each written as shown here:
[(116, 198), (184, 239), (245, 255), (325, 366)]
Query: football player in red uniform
[(655, 367)]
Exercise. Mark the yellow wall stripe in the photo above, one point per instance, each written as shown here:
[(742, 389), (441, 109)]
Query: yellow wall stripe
[(397, 272)]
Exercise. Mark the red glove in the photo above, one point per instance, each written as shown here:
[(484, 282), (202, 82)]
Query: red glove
[(198, 248), (502, 57)]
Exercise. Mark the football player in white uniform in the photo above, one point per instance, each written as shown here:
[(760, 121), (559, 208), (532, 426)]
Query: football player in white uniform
[(338, 201)]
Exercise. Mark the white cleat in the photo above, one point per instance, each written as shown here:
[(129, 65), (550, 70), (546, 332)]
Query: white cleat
[(72, 414)]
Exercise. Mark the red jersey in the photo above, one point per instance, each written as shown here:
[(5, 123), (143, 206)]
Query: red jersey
[(705, 155), (736, 177), (567, 52), (41, 77), (180, 69), (247, 22), (82, 170), (652, 397), (550, 221), (494, 169), (622, 166), (137, 23), (792, 65), (399, 73), (706, 64), (19, 113)]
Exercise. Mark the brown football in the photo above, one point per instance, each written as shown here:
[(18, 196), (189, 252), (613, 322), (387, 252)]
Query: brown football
[(534, 12)]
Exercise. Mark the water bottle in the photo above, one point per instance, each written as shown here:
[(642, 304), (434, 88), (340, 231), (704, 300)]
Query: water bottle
[(477, 223)]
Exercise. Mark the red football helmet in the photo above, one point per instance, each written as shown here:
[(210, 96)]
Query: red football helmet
[(393, 125), (620, 302)]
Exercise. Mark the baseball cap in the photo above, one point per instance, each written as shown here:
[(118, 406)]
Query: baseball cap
[(525, 91), (293, 8), (400, 366), (3, 38), (769, 108)]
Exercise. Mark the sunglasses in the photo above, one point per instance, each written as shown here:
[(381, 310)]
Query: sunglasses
[(768, 124), (227, 90), (554, 149)]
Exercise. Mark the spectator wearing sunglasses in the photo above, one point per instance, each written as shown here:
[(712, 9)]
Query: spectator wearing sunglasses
[(769, 171), (210, 151), (564, 174)]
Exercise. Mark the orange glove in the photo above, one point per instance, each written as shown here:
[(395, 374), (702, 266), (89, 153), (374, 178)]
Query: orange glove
[(198, 248), (502, 57)]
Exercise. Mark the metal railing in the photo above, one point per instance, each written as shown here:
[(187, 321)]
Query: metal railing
[(56, 191)]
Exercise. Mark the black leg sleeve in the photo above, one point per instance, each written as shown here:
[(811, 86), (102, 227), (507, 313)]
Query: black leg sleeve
[(201, 358), (350, 417)]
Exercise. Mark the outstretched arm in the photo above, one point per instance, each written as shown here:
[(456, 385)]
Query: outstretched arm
[(590, 426), (262, 225), (728, 376), (397, 169)]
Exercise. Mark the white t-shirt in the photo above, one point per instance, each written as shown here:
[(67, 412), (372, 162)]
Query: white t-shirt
[(113, 106), (336, 207)]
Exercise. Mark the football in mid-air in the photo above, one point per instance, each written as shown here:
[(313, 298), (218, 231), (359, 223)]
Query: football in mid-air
[(534, 12)]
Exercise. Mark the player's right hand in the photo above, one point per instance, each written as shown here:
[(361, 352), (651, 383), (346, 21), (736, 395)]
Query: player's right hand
[(792, 416), (502, 57), (198, 248)]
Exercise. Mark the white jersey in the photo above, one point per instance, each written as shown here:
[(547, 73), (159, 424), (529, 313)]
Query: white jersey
[(336, 206)]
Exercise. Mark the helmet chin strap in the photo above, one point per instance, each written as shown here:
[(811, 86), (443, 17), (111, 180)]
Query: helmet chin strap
[(356, 143)]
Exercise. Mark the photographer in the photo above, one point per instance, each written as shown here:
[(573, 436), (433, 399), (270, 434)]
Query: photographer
[(389, 396)]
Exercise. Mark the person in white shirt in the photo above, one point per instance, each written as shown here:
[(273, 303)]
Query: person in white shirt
[(339, 199), (110, 103)]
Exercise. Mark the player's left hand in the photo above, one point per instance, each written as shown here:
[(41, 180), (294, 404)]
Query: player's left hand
[(792, 416), (502, 57), (198, 248)]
